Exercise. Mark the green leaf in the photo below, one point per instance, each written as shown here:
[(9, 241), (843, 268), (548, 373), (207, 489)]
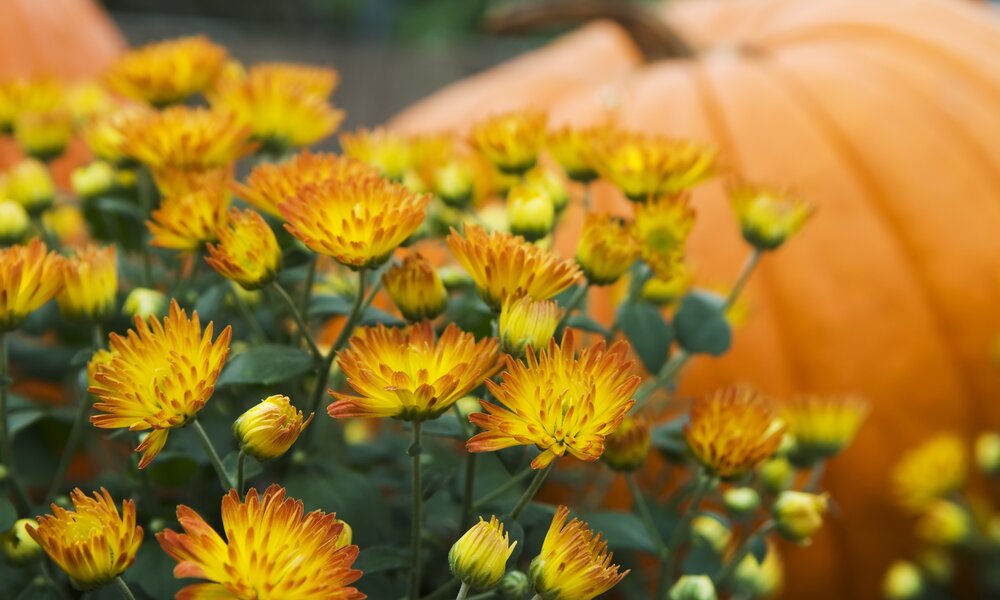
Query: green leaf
[(172, 470), (623, 531), (266, 365), (374, 316), (669, 438), (701, 324), (648, 331), (328, 306), (446, 426), (377, 559), (251, 468), (21, 419), (8, 514), (585, 323)]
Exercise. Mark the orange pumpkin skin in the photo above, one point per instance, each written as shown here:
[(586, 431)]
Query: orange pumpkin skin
[(884, 115)]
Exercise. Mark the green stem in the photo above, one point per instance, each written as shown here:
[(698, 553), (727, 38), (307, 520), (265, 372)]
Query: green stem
[(471, 461), (727, 571), (502, 489), (213, 456), (6, 446), (444, 591), (574, 302), (529, 493), (145, 188), (463, 592), (647, 518), (417, 513), (705, 483), (299, 321), (310, 279), (240, 473), (811, 484), (123, 588), (741, 279)]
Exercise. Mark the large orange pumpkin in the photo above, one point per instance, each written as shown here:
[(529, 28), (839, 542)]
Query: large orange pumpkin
[(886, 115)]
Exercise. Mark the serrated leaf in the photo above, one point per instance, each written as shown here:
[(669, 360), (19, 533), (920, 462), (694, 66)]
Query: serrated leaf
[(266, 365), (648, 331), (701, 324)]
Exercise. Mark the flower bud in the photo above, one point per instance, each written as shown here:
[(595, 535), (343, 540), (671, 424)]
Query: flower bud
[(605, 250), (903, 581), (987, 453), (627, 447), (31, 185), (938, 565), (479, 558), (346, 534), (667, 292), (514, 585), (693, 587), (711, 533), (43, 135), (759, 579), (269, 429), (776, 474), (93, 180), (767, 217), (14, 222), (549, 182), (799, 515), (454, 183), (944, 523), (145, 303), (531, 212), (527, 322), (18, 547), (90, 284), (416, 288), (741, 501), (247, 251)]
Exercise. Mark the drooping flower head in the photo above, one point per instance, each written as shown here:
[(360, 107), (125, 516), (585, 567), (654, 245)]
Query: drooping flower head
[(647, 166), (247, 252), (732, 430), (511, 141), (167, 72), (272, 551), (606, 249), (822, 425), (93, 543), (506, 266), (30, 276), (574, 564), (527, 322), (193, 139), (767, 216), (186, 223), (416, 288), (159, 377), (558, 402), (268, 429), (572, 147), (90, 283), (930, 471), (388, 152), (626, 448), (479, 557), (661, 229)]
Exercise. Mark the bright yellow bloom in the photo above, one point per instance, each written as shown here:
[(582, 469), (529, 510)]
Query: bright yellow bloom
[(43, 135), (558, 402), (479, 557), (799, 515), (268, 429), (527, 322), (668, 292), (506, 266), (67, 224), (530, 211), (186, 138), (93, 544), (416, 288), (186, 223), (14, 222), (272, 551), (511, 141), (358, 222), (943, 523), (17, 545), (930, 471), (455, 181), (732, 430), (572, 148), (90, 283), (626, 448), (574, 564), (92, 180), (767, 216), (30, 184), (160, 377), (175, 182), (647, 166), (405, 374), (247, 252), (167, 72), (390, 153), (30, 276), (661, 229), (822, 425), (606, 249), (105, 134)]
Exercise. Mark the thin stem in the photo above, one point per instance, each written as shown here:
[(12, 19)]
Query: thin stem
[(123, 588), (727, 571), (144, 186), (75, 433), (299, 320), (503, 489), (463, 592), (705, 483), (647, 518), (529, 493), (471, 461), (417, 513), (811, 484), (310, 279), (741, 279), (213, 456), (240, 473), (6, 447), (574, 302)]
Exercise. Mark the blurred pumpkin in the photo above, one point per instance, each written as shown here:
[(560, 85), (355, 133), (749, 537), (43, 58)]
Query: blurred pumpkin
[(885, 116)]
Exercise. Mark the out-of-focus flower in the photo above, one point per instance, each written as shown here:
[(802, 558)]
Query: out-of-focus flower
[(930, 471), (776, 474), (760, 579), (903, 581), (17, 545), (181, 137), (506, 266), (799, 515), (693, 587), (186, 223), (667, 292), (268, 429), (987, 452), (661, 229), (455, 182), (606, 250), (247, 252), (173, 182), (406, 374), (43, 135), (732, 430), (31, 185), (767, 216), (93, 179), (573, 149), (527, 322), (626, 448), (710, 532), (160, 377), (168, 72), (145, 303), (312, 80), (389, 152), (105, 134), (268, 541), (93, 543), (87, 100), (415, 288), (551, 183), (574, 564), (511, 141), (530, 212), (648, 166), (741, 501), (30, 276), (479, 557), (821, 425), (67, 223), (90, 283), (943, 523), (14, 222), (558, 402)]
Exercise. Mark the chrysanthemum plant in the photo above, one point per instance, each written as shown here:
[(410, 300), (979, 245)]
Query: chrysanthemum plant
[(218, 329)]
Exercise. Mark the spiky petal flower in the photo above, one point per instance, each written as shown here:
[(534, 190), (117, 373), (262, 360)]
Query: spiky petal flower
[(186, 138), (416, 288), (186, 223), (558, 402), (272, 550), (767, 216), (527, 322), (930, 471), (93, 544), (167, 72), (822, 425), (90, 283), (511, 141), (479, 557), (646, 166), (406, 374), (661, 229), (390, 153), (574, 564), (606, 249), (159, 377), (105, 134), (268, 429), (732, 430), (247, 252), (506, 266), (30, 276)]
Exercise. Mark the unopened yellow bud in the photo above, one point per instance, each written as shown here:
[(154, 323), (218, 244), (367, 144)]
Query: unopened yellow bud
[(479, 558), (31, 185), (903, 581), (514, 585), (14, 222), (247, 251), (776, 474), (693, 587), (741, 501), (454, 183), (759, 579), (799, 515), (145, 303), (269, 429), (90, 284), (531, 212), (606, 250), (627, 447), (18, 547), (527, 322), (511, 141), (552, 184), (988, 453), (43, 135), (710, 532), (767, 217), (416, 288), (93, 180), (668, 292), (944, 523)]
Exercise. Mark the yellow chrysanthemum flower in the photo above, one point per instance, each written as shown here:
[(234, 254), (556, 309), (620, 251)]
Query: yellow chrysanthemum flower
[(14, 222), (17, 546), (511, 141), (626, 448), (273, 551), (87, 100), (732, 430), (506, 266), (31, 185), (479, 557), (186, 223), (930, 471), (530, 212), (822, 425), (268, 429), (30, 276), (558, 402), (526, 322), (93, 544), (312, 80), (574, 564), (90, 283), (43, 135), (392, 154), (175, 182), (661, 229), (416, 288), (572, 147), (167, 72), (405, 374), (767, 216), (358, 222), (181, 137), (105, 134), (606, 249), (647, 166), (159, 377), (247, 252)]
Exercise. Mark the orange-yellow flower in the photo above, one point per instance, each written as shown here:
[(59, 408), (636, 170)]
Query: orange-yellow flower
[(645, 166), (186, 138), (167, 72), (572, 148), (358, 222), (30, 276), (247, 252), (405, 374), (606, 249), (416, 288), (15, 224), (574, 564), (558, 402), (767, 216), (90, 283), (268, 429), (511, 141), (272, 551), (44, 134), (931, 471), (93, 544), (390, 153), (174, 182), (732, 430), (661, 229), (105, 134), (479, 557), (159, 377), (312, 80), (504, 265), (822, 425), (626, 448), (186, 223), (525, 322)]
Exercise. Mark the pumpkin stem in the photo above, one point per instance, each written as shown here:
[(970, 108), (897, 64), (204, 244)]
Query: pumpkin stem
[(655, 38)]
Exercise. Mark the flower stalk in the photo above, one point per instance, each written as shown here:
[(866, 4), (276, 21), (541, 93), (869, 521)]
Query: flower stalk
[(213, 456), (415, 451), (704, 483), (6, 446), (529, 493)]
